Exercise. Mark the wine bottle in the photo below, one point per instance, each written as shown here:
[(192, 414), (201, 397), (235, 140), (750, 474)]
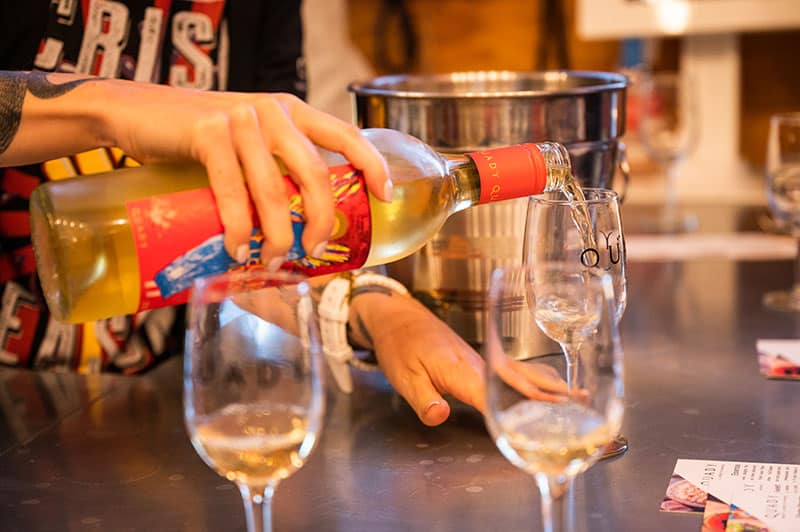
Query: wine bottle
[(134, 239)]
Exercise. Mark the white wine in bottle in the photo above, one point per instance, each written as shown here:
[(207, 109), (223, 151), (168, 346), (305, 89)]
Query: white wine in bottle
[(134, 239)]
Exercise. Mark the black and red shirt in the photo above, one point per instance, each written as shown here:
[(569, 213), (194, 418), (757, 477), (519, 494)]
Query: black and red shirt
[(238, 45)]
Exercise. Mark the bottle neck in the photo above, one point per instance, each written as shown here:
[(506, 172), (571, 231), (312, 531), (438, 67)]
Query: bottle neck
[(465, 180), (509, 172), (557, 164)]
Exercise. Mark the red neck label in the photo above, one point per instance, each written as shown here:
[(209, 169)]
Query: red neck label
[(510, 172)]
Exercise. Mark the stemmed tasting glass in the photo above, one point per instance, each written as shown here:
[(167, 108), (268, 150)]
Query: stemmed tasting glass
[(253, 386), (783, 195), (564, 239), (539, 424), (668, 125)]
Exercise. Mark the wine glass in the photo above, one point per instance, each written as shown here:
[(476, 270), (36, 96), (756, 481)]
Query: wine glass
[(253, 386), (668, 125), (580, 233), (783, 195), (565, 238), (547, 429)]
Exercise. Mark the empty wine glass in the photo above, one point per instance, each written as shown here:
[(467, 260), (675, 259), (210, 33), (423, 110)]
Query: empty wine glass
[(253, 387), (547, 429), (668, 125), (783, 195)]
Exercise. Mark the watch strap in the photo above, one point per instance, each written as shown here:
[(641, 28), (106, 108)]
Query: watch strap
[(334, 312)]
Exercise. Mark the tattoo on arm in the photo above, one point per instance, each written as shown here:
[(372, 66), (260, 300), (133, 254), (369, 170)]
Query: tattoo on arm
[(364, 333), (13, 86), (362, 337)]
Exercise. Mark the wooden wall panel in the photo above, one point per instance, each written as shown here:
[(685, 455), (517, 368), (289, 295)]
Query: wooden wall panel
[(478, 35), (458, 35), (770, 83)]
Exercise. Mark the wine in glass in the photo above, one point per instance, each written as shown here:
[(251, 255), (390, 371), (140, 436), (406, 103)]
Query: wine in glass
[(564, 239), (253, 387), (783, 195), (541, 425), (668, 125)]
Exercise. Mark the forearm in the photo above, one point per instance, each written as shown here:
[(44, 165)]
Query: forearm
[(47, 116)]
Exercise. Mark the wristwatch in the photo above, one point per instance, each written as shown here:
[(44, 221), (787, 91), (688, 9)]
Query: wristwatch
[(334, 311)]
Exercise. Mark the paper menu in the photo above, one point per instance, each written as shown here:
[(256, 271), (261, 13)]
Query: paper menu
[(775, 503), (769, 492)]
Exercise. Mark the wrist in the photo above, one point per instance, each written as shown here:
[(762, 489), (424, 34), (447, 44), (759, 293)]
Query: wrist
[(106, 111), (372, 317), (85, 110), (336, 314)]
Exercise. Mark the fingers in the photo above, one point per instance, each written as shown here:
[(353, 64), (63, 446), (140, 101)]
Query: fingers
[(238, 146), (306, 168), (536, 381), (547, 378), (462, 374), (335, 135), (214, 149), (543, 376), (265, 185)]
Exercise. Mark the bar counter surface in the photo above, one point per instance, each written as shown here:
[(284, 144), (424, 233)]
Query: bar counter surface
[(85, 453)]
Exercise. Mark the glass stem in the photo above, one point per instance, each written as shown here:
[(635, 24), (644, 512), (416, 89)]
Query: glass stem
[(257, 507), (554, 508), (571, 357), (671, 191)]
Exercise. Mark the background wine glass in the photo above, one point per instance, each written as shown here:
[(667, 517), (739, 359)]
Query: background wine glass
[(668, 125), (566, 238), (253, 387), (783, 195), (544, 431)]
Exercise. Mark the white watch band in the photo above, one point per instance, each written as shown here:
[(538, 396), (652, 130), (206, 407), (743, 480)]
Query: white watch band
[(334, 311)]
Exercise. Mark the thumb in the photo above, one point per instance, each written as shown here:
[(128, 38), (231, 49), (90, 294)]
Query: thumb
[(430, 406)]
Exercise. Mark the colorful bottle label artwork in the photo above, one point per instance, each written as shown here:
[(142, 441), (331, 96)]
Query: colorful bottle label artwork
[(179, 238)]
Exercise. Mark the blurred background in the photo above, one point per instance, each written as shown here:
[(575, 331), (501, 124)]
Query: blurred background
[(741, 55)]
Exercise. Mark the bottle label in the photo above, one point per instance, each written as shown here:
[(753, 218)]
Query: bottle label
[(510, 172), (179, 238)]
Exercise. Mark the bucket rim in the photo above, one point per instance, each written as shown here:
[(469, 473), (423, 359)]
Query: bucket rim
[(386, 85)]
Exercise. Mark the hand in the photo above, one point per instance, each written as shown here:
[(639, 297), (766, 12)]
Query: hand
[(236, 136), (421, 356), (536, 380)]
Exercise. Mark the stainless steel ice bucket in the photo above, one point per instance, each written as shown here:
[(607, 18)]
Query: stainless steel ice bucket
[(468, 111)]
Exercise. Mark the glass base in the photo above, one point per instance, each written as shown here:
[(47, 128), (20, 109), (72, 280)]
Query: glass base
[(617, 446), (784, 301)]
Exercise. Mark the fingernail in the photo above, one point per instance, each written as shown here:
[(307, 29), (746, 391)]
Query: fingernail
[(320, 249), (430, 405), (388, 190), (242, 252), (275, 264)]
